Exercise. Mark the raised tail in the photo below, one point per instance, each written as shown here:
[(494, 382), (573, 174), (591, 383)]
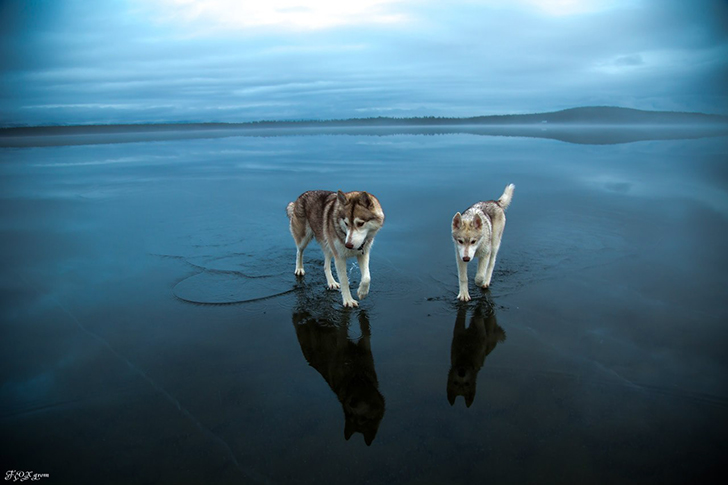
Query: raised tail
[(289, 209), (505, 199)]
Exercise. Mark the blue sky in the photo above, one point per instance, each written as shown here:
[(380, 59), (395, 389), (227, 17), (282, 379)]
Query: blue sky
[(130, 61)]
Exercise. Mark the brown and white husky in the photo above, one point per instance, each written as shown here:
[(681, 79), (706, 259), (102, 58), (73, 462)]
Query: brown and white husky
[(344, 225), (478, 232)]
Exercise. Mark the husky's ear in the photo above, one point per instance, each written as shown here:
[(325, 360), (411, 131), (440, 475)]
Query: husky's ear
[(451, 395), (341, 196), (369, 435), (469, 397), (365, 200), (457, 221), (478, 222), (348, 429)]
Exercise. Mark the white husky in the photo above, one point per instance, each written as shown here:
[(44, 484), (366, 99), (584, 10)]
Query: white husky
[(478, 232), (344, 225)]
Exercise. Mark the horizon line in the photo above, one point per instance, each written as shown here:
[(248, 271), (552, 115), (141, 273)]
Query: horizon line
[(723, 119)]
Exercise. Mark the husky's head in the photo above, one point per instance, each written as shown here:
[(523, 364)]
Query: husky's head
[(363, 409), (462, 381), (359, 217), (467, 235)]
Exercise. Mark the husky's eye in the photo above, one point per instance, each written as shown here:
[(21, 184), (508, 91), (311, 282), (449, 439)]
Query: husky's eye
[(461, 241), (472, 242), (359, 223), (346, 223)]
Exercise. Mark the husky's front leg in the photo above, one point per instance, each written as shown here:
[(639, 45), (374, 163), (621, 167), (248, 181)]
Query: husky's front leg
[(464, 295), (347, 299), (330, 281), (366, 278)]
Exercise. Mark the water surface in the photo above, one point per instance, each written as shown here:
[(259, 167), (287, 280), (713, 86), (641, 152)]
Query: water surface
[(153, 331)]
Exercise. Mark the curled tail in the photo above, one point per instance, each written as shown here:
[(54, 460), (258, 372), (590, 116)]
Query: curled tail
[(289, 209), (505, 199)]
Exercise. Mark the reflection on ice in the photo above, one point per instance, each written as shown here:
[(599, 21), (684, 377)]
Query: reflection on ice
[(470, 347), (589, 134), (346, 364)]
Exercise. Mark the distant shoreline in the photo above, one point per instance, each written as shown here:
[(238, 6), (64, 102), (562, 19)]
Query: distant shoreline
[(590, 125), (591, 116)]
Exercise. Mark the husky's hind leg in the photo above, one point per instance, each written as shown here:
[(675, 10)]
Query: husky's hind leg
[(491, 264), (299, 254), (302, 234), (481, 277), (499, 225)]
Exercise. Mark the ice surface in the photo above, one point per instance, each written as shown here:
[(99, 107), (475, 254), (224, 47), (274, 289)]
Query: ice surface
[(229, 287), (609, 285)]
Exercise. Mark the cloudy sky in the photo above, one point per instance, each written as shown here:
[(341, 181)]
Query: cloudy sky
[(124, 61)]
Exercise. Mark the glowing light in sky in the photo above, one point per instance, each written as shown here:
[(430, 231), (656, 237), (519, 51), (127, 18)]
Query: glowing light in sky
[(294, 14)]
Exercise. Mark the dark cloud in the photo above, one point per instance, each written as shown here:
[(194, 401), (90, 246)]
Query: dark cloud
[(103, 62)]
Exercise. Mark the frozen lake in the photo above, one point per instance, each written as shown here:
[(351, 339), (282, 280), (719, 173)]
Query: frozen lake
[(152, 329)]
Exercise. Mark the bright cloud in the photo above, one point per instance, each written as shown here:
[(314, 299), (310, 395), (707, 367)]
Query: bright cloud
[(570, 7), (287, 14)]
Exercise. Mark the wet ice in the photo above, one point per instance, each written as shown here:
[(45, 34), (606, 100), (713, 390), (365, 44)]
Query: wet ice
[(614, 312)]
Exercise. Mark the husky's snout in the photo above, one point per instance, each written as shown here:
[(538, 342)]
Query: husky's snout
[(350, 245), (466, 258), (353, 238), (349, 241)]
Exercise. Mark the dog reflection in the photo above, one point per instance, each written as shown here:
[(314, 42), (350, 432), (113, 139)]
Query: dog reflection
[(348, 368), (469, 348)]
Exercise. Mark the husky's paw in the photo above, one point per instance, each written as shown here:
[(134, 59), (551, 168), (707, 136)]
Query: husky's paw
[(480, 280), (333, 285), (464, 297), (363, 290), (350, 303), (299, 272)]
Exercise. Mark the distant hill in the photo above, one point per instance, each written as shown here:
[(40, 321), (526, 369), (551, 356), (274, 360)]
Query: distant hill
[(607, 115)]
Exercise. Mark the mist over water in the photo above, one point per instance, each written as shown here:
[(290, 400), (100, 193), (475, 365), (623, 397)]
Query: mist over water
[(153, 329)]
